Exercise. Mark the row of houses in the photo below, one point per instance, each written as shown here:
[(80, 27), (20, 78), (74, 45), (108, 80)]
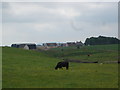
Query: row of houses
[(27, 46), (63, 44), (54, 45), (46, 45)]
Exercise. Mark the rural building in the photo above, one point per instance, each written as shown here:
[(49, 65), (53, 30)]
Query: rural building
[(50, 45), (63, 44), (24, 46), (71, 43), (79, 43), (75, 43)]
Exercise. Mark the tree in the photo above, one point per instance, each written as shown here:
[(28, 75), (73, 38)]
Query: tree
[(101, 40)]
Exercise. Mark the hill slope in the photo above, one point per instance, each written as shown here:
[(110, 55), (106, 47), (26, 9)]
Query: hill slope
[(21, 66), (31, 69), (100, 53)]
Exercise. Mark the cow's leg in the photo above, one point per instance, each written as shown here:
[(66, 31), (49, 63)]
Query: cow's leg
[(67, 66), (60, 68)]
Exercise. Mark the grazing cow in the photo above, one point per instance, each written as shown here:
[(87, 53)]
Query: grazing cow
[(62, 64)]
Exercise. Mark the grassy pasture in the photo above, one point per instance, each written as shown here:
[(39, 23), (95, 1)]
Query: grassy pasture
[(100, 53), (31, 69)]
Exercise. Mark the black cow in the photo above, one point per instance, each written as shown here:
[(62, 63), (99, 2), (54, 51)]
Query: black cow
[(62, 64)]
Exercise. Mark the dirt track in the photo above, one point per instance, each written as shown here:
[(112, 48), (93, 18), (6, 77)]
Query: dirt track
[(78, 61)]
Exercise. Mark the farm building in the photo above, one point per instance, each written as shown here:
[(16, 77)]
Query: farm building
[(71, 43), (75, 43), (79, 43), (50, 45), (24, 46), (63, 44)]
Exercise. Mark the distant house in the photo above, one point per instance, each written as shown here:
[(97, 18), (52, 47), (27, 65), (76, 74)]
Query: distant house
[(71, 43), (75, 43), (63, 44), (79, 44), (50, 45), (24, 46)]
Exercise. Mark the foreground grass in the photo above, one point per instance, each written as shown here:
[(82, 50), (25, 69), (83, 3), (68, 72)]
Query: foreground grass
[(31, 69)]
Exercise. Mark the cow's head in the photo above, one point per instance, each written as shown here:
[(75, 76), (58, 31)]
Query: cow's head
[(56, 68)]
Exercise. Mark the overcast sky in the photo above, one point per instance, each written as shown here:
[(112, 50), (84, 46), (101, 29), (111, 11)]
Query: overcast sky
[(40, 22)]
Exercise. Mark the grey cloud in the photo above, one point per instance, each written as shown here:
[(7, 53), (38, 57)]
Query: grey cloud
[(38, 16), (49, 25)]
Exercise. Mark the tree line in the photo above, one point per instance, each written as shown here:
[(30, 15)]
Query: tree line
[(101, 40)]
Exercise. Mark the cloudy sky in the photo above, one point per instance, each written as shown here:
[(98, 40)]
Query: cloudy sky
[(40, 22)]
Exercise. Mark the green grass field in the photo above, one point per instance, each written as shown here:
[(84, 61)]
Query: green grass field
[(33, 69)]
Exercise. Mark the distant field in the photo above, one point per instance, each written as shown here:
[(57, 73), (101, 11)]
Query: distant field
[(31, 69), (100, 53)]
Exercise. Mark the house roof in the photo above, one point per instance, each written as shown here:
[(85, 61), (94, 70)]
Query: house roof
[(25, 44), (51, 44), (70, 42), (22, 45)]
